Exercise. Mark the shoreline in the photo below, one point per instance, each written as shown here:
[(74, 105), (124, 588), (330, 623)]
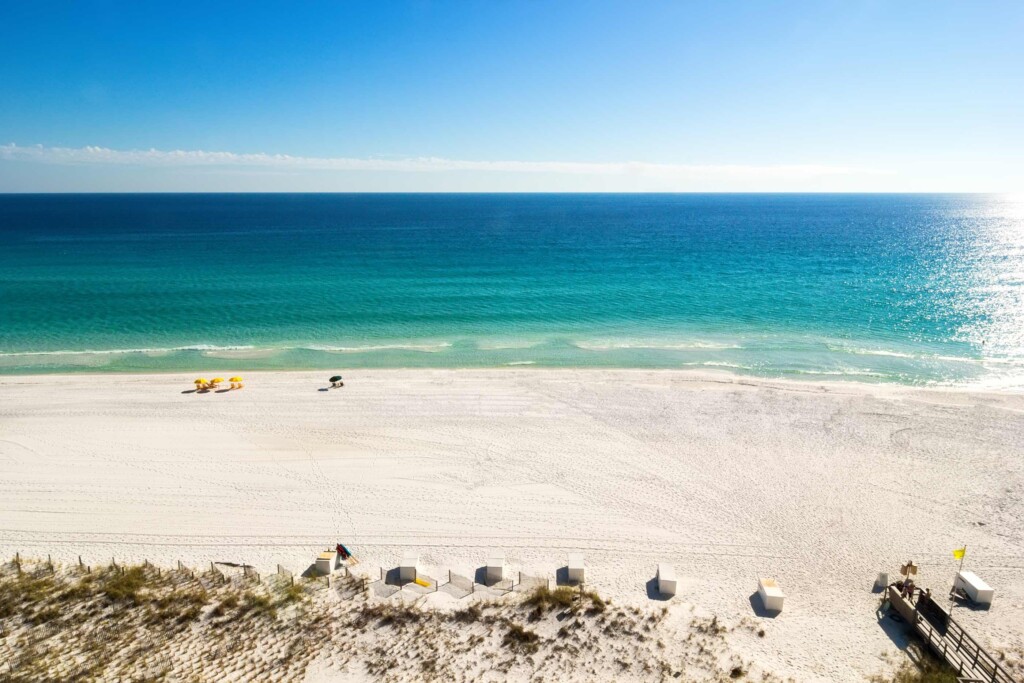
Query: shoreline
[(820, 485), (710, 375)]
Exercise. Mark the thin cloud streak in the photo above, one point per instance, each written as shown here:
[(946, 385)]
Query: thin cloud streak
[(91, 155)]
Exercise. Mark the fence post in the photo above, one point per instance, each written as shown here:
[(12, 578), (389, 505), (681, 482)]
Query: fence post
[(80, 565)]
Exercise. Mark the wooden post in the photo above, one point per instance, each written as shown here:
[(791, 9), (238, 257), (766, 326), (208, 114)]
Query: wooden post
[(80, 565)]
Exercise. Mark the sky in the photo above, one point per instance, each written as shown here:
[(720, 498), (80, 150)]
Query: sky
[(588, 96)]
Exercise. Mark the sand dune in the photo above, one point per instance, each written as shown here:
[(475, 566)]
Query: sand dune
[(820, 486)]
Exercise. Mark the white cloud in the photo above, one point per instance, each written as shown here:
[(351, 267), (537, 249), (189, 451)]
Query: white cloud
[(81, 156)]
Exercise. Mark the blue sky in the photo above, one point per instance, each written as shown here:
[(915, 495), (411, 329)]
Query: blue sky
[(470, 96)]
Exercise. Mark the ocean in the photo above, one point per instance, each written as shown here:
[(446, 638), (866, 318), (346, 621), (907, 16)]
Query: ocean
[(911, 289)]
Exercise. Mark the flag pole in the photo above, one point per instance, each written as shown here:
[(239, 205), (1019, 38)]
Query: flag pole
[(959, 569)]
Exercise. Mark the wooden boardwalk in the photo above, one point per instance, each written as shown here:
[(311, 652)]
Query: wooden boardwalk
[(949, 640)]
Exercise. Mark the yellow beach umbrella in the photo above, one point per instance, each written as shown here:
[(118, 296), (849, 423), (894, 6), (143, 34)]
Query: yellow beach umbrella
[(235, 379), (217, 380), (200, 381)]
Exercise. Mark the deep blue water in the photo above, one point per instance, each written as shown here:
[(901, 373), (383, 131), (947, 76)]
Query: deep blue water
[(904, 288)]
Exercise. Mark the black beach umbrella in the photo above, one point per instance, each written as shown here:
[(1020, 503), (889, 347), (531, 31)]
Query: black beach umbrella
[(336, 378)]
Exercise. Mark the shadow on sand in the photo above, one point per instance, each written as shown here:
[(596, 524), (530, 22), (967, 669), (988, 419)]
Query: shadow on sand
[(757, 605), (394, 578), (653, 593)]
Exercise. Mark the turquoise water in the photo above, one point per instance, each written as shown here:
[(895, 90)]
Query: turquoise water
[(915, 289)]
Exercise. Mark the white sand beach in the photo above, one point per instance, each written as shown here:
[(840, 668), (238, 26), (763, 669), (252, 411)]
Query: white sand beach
[(727, 478)]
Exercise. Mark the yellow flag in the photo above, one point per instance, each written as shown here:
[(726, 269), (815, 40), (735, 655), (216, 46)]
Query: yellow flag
[(959, 553)]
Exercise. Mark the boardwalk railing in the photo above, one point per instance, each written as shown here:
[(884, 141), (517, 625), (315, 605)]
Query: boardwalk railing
[(950, 641)]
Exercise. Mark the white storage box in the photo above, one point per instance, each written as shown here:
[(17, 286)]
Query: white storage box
[(666, 579), (495, 570), (976, 589), (325, 562), (772, 596), (407, 570), (576, 571)]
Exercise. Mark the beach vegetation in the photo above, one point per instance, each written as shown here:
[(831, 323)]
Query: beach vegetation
[(521, 639), (293, 593), (467, 615), (260, 605), (22, 591), (926, 670), (545, 599), (124, 586)]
